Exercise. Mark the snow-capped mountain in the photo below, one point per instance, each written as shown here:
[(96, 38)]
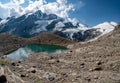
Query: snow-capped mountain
[(29, 25), (32, 24), (83, 33)]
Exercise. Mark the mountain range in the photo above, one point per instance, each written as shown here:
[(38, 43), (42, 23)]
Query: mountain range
[(83, 62), (33, 24)]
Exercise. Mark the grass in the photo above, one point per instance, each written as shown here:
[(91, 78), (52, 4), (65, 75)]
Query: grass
[(37, 81), (4, 62)]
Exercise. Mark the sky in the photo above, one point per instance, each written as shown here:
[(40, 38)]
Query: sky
[(89, 12)]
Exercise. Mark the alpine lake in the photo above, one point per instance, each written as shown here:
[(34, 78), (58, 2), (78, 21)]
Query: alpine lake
[(24, 52)]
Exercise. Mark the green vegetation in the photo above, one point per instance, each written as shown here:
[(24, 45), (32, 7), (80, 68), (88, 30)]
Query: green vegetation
[(38, 81), (3, 62)]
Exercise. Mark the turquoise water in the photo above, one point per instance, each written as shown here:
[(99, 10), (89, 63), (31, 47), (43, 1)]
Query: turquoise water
[(22, 53)]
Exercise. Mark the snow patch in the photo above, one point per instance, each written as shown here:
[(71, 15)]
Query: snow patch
[(59, 26), (41, 26), (113, 23), (105, 27), (3, 21)]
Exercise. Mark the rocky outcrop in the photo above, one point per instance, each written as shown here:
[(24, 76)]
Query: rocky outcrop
[(3, 79), (0, 19)]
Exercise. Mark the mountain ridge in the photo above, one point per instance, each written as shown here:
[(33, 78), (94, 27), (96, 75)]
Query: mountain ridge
[(32, 24)]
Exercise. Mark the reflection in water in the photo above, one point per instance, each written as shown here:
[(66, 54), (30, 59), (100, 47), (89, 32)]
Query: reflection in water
[(22, 53)]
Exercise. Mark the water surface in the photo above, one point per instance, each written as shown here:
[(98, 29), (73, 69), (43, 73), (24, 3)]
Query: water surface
[(22, 53)]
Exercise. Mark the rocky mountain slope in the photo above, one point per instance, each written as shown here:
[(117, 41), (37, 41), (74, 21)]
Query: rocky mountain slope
[(33, 24), (9, 43), (89, 62)]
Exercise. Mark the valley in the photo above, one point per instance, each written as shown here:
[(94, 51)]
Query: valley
[(95, 61), (41, 47)]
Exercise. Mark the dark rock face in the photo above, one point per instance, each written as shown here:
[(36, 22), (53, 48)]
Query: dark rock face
[(0, 19), (90, 34), (78, 36), (3, 79), (61, 34)]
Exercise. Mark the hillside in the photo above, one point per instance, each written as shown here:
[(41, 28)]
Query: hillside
[(9, 43), (91, 62), (50, 39)]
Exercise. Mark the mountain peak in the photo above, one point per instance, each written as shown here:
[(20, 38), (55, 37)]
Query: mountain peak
[(105, 25), (113, 23), (39, 12)]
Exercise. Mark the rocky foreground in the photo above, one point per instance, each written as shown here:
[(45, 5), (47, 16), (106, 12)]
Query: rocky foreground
[(91, 62)]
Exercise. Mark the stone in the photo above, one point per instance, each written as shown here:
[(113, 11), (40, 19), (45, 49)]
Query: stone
[(19, 61), (50, 76), (3, 79), (71, 51), (13, 64), (82, 64), (88, 79), (98, 69), (23, 75), (51, 57), (33, 71), (98, 62), (58, 61), (90, 70), (34, 66), (95, 77)]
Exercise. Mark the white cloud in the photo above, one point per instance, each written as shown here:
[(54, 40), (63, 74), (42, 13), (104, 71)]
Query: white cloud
[(11, 9), (59, 7), (18, 1)]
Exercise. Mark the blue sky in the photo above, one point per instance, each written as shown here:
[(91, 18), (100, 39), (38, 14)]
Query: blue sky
[(97, 11), (91, 12)]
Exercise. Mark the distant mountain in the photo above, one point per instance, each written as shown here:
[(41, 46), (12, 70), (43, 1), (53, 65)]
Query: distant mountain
[(32, 24), (29, 25), (85, 33)]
